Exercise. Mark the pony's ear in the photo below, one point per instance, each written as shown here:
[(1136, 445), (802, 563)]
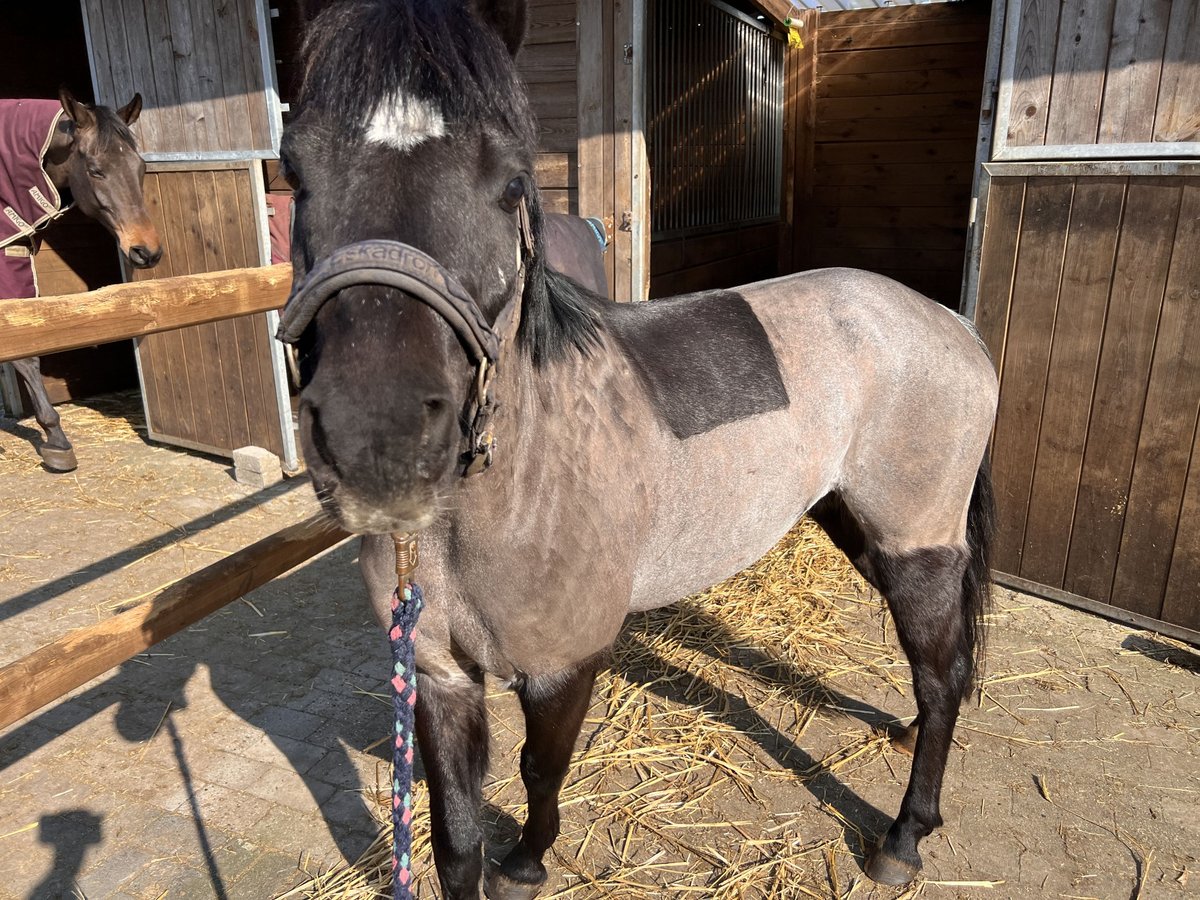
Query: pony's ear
[(130, 111), (510, 18), (77, 111)]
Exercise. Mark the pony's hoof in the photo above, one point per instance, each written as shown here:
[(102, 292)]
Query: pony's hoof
[(904, 739), (498, 886), (58, 460), (884, 868)]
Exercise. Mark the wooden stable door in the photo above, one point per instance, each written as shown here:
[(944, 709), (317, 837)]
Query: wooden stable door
[(614, 175), (1088, 294), (220, 386)]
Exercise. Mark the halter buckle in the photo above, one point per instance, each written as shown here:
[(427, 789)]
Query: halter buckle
[(482, 441)]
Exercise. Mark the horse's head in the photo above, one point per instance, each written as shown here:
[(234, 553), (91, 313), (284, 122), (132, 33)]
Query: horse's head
[(412, 126), (95, 158)]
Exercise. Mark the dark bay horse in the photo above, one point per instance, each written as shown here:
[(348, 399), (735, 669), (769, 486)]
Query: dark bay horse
[(89, 158), (639, 452)]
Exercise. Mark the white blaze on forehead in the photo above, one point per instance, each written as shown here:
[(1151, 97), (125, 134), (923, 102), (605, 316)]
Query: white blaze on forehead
[(403, 122)]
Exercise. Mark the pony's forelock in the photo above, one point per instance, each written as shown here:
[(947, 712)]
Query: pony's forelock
[(361, 55)]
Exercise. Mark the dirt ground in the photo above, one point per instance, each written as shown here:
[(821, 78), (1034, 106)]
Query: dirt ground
[(729, 753)]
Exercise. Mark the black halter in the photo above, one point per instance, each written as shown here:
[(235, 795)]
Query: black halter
[(419, 275)]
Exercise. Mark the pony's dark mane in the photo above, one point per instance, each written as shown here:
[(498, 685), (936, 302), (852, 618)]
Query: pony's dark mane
[(360, 52), (558, 315)]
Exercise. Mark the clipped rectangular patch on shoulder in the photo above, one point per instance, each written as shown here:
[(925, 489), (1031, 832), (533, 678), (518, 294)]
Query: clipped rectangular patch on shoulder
[(704, 359)]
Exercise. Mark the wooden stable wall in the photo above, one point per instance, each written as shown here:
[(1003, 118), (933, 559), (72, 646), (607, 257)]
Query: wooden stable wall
[(1100, 78), (894, 112), (547, 63), (725, 259), (1089, 297), (198, 66)]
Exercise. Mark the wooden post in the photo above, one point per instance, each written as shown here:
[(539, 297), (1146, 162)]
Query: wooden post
[(42, 325), (800, 115), (74, 659)]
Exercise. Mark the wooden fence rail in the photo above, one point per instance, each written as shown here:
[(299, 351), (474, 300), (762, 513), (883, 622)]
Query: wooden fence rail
[(42, 325), (74, 659), (50, 324)]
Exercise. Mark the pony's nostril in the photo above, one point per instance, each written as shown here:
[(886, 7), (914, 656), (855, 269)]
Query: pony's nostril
[(140, 256)]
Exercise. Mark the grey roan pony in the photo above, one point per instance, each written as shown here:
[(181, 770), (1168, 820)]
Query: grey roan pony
[(642, 452)]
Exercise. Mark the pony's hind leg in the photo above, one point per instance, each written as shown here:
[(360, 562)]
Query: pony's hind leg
[(937, 596), (554, 709), (56, 452), (924, 590), (453, 739)]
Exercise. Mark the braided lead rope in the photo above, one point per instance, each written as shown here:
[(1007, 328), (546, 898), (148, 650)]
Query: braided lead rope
[(405, 610)]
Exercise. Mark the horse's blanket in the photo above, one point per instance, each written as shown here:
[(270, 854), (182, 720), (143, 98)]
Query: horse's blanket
[(28, 199)]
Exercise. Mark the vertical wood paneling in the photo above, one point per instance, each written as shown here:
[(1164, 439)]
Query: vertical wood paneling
[(197, 64), (167, 110), (1084, 34), (1139, 279), (213, 385), (998, 262), (1026, 358), (1095, 450), (897, 100), (1078, 331), (1134, 70), (1181, 604), (245, 29), (1037, 39), (1178, 114), (141, 69), (1169, 425), (1105, 72)]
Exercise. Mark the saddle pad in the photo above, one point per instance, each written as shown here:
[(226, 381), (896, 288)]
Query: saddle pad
[(704, 359)]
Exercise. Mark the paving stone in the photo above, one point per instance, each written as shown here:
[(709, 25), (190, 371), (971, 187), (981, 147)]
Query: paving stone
[(230, 770), (284, 787), (293, 723), (348, 808), (110, 871), (288, 831), (227, 809), (160, 876), (265, 877), (18, 744), (285, 752)]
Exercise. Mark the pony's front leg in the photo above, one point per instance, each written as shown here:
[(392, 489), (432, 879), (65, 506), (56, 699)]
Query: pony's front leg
[(554, 708), (452, 735), (56, 452)]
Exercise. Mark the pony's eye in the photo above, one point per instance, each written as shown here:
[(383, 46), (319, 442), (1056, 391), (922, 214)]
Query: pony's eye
[(513, 194), (93, 172)]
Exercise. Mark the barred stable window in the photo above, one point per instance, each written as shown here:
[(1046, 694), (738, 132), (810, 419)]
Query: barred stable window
[(715, 118)]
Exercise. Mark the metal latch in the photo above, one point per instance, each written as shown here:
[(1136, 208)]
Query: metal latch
[(627, 55)]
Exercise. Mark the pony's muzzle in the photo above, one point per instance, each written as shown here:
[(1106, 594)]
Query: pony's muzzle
[(376, 466), (141, 246), (143, 257)]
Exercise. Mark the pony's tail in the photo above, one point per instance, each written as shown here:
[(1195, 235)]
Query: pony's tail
[(977, 577)]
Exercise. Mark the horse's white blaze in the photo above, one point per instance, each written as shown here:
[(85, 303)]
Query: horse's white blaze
[(404, 122)]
